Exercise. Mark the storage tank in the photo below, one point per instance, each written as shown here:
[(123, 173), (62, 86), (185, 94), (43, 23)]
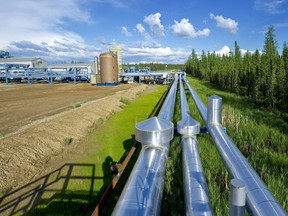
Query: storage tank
[(109, 67)]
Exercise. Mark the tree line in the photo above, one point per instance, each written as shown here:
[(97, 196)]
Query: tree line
[(262, 76), (156, 66)]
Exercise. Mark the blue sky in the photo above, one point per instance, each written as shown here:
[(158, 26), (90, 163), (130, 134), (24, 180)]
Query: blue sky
[(148, 30)]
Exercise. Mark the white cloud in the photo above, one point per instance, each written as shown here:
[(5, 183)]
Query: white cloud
[(243, 51), (140, 28), (228, 24), (225, 50), (114, 3), (124, 30), (153, 20), (271, 6), (156, 54), (187, 30), (31, 30), (147, 51), (142, 31)]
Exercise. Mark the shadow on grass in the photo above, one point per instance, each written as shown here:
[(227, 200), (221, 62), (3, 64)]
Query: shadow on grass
[(113, 197), (50, 194), (272, 118), (55, 193)]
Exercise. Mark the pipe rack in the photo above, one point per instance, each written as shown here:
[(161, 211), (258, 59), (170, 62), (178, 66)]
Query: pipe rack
[(18, 72)]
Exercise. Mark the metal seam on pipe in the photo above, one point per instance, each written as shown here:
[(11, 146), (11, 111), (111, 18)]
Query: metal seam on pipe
[(260, 200), (142, 194), (195, 189)]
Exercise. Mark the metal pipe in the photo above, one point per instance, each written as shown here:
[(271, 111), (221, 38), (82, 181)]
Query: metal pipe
[(196, 193), (237, 197), (6, 74), (183, 102), (195, 189), (143, 191), (167, 110), (260, 200), (200, 105)]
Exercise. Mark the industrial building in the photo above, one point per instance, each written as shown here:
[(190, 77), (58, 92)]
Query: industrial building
[(28, 62)]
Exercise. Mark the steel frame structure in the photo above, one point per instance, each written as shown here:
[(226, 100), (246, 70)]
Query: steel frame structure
[(19, 72)]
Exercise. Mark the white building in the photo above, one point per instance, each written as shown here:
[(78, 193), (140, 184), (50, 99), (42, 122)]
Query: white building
[(30, 62)]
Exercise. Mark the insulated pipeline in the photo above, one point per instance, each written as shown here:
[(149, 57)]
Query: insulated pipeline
[(196, 193), (200, 105), (183, 101), (142, 194), (195, 189), (260, 200)]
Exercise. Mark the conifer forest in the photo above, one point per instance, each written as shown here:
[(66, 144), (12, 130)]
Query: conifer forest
[(261, 75)]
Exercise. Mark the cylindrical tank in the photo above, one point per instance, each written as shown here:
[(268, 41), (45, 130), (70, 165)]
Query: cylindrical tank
[(108, 67)]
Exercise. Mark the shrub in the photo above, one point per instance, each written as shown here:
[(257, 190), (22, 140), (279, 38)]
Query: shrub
[(67, 140)]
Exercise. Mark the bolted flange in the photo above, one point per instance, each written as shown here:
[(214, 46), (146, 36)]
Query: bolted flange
[(154, 131)]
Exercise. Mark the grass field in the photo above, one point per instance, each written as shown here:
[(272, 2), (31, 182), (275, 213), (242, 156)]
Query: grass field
[(82, 186)]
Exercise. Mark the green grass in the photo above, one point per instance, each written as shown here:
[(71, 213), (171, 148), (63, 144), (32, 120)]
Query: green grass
[(83, 183), (125, 101), (67, 140), (77, 105), (173, 195)]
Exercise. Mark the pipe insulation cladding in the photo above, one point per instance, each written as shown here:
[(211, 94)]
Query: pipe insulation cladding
[(196, 194), (142, 194), (260, 200)]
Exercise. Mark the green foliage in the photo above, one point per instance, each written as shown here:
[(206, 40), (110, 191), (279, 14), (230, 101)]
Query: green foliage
[(67, 140), (263, 77), (156, 66), (96, 124), (173, 195), (77, 105), (125, 101)]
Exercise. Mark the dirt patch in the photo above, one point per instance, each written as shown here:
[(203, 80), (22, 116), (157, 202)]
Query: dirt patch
[(37, 120)]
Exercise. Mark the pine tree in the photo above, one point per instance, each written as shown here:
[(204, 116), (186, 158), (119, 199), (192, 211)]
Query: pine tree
[(203, 67), (237, 69), (270, 56), (195, 64), (279, 90), (257, 74), (247, 79), (285, 62)]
